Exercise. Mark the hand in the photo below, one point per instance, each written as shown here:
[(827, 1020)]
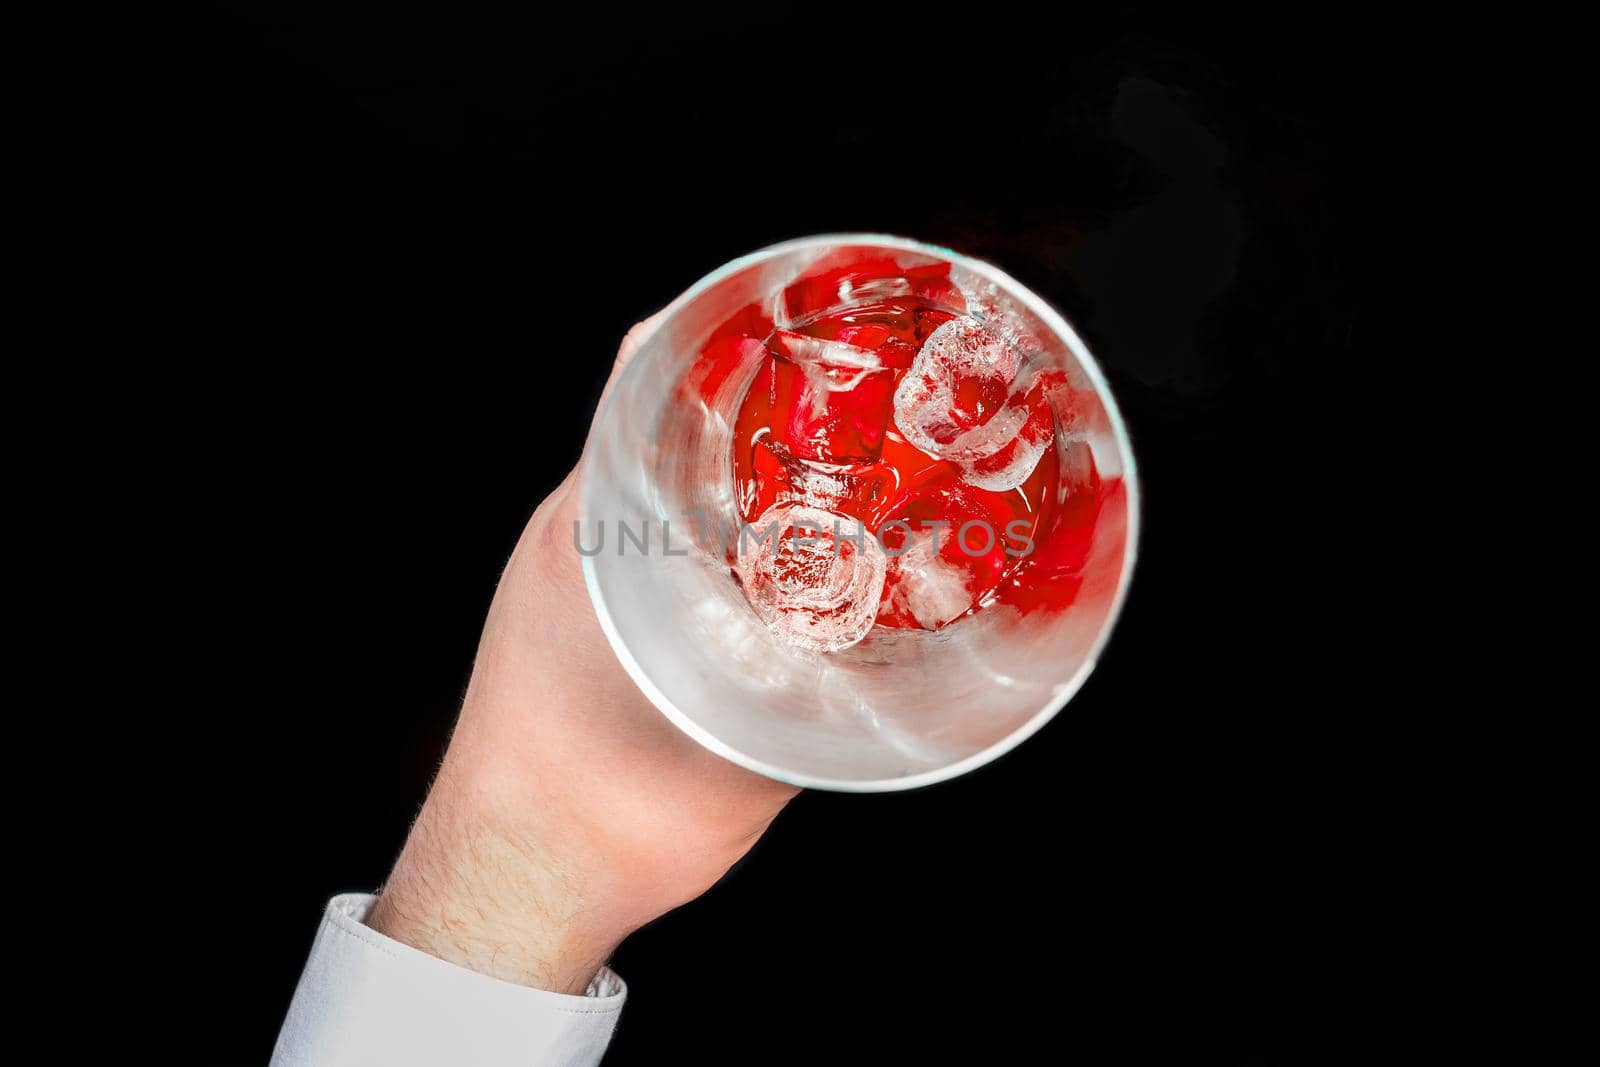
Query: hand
[(568, 811)]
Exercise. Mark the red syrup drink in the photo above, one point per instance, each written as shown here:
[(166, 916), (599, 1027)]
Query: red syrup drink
[(898, 460)]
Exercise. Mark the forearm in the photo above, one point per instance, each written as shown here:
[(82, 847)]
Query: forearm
[(482, 891), (483, 949)]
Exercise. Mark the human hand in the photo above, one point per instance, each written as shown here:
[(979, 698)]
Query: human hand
[(568, 811)]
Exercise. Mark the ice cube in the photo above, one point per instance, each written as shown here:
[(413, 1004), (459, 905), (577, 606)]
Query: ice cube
[(839, 279), (830, 399), (857, 489), (815, 577), (952, 539), (897, 354), (868, 335), (819, 352), (968, 398), (922, 584), (1010, 465), (882, 333)]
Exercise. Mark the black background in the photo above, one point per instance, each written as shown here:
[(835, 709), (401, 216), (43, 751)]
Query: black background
[(409, 239)]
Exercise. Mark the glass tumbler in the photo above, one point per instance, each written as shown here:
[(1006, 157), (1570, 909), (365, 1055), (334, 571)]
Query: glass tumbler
[(903, 708)]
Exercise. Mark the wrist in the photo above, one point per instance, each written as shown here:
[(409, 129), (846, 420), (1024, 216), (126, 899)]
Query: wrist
[(484, 893)]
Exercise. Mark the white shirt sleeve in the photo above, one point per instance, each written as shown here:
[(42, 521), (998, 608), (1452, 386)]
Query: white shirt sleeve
[(366, 999)]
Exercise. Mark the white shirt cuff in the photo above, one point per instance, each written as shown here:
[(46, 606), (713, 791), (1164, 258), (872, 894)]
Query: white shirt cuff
[(368, 999)]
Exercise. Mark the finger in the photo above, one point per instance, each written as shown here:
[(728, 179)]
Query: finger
[(635, 338), (630, 344)]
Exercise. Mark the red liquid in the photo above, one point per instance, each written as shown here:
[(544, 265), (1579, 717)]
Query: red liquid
[(798, 435)]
